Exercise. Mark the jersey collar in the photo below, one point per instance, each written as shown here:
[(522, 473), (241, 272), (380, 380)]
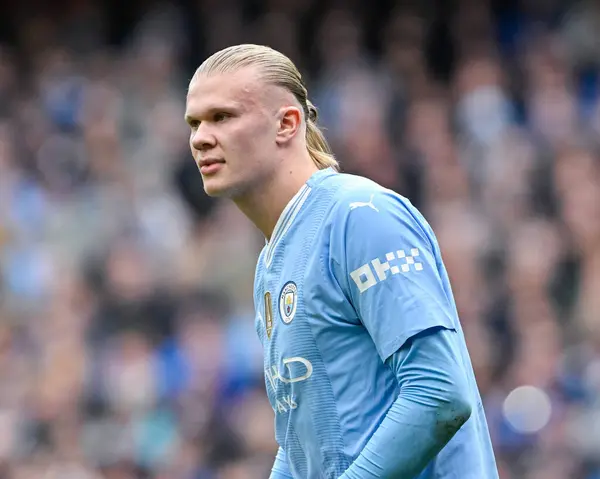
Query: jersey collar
[(291, 210)]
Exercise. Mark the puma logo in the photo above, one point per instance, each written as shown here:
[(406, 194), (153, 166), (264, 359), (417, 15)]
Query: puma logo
[(358, 204)]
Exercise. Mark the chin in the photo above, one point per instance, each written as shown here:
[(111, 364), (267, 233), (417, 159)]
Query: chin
[(217, 188), (214, 190)]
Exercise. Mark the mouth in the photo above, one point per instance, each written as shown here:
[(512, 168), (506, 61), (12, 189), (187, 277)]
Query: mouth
[(209, 166)]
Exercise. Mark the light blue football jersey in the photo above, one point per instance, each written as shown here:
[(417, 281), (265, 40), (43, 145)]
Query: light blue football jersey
[(351, 272)]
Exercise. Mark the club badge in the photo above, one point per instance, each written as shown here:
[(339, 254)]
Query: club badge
[(288, 301)]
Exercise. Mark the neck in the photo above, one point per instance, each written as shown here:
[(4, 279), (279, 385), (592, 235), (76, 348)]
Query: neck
[(264, 205)]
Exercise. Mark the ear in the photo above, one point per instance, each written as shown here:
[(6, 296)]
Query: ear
[(290, 122)]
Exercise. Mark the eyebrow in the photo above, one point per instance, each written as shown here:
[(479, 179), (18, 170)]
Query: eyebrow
[(227, 107), (188, 118)]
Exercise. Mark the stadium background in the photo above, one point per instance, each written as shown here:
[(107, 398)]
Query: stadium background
[(127, 346)]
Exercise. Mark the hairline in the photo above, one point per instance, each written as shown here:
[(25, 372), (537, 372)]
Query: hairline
[(259, 79)]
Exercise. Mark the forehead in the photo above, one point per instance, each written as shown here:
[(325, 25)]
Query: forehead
[(242, 88)]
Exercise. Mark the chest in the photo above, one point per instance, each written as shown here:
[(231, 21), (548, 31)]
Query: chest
[(285, 326), (281, 313)]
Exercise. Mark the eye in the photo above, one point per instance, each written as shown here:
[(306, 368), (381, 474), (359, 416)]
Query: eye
[(194, 124), (221, 116)]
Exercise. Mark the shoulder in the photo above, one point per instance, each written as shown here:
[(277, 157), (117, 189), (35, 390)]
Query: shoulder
[(359, 203), (369, 221)]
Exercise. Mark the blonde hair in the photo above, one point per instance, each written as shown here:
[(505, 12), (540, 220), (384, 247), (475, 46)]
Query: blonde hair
[(276, 69)]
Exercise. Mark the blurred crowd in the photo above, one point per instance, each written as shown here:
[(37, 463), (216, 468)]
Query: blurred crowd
[(126, 316)]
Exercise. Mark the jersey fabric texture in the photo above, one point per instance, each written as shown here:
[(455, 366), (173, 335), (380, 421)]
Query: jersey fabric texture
[(351, 272)]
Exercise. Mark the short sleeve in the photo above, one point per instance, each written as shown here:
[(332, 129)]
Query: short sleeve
[(386, 260)]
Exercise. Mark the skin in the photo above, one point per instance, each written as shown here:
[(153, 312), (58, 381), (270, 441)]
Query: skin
[(258, 131)]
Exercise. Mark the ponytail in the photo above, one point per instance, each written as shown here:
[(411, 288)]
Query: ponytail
[(318, 148)]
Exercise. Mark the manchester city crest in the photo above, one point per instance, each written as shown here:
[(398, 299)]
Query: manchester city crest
[(288, 301)]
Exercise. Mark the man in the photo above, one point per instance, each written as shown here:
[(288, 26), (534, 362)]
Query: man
[(366, 366)]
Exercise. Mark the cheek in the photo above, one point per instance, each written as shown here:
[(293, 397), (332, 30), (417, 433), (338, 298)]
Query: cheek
[(264, 135), (253, 139)]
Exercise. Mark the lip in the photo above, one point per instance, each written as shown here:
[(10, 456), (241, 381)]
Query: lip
[(209, 166), (209, 161)]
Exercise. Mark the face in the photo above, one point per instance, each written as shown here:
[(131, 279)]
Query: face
[(236, 131)]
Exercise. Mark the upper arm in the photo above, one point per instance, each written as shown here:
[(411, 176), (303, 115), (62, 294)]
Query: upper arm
[(386, 263), (431, 373), (430, 360)]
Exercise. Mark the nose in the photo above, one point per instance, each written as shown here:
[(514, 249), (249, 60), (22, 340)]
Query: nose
[(202, 139)]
